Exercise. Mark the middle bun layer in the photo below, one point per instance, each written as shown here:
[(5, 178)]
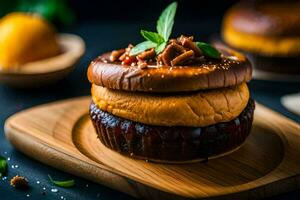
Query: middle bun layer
[(196, 109)]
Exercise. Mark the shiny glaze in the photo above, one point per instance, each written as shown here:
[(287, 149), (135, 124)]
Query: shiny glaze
[(232, 69), (228, 60)]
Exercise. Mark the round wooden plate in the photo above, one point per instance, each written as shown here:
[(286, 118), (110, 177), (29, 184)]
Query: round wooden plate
[(261, 154), (61, 135), (46, 71)]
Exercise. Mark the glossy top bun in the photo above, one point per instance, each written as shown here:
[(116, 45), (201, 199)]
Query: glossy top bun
[(231, 70)]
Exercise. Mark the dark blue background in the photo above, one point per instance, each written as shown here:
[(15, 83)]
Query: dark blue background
[(100, 36)]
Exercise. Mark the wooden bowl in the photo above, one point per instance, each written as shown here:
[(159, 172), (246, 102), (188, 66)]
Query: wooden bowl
[(44, 72)]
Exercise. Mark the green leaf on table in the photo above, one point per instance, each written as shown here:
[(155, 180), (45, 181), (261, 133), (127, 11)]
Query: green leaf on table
[(166, 21), (3, 166), (160, 48), (152, 36), (141, 47), (66, 184), (208, 50)]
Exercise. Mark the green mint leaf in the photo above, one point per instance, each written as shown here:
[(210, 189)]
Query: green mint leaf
[(152, 36), (66, 184), (160, 48), (208, 50), (166, 20), (3, 165), (141, 47)]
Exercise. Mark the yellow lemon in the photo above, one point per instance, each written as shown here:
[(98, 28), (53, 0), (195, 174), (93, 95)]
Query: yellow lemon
[(25, 38)]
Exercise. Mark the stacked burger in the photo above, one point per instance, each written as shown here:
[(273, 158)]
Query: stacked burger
[(176, 100)]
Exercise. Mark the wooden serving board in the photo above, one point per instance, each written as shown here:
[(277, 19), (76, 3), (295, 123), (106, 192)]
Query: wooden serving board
[(60, 134)]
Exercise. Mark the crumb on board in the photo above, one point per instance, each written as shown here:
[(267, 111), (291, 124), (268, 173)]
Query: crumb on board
[(19, 182)]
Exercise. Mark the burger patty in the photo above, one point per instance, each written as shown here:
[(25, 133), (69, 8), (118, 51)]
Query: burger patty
[(175, 143)]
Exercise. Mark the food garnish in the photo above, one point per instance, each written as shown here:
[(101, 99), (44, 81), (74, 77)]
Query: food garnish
[(19, 182), (66, 184), (158, 47), (3, 166), (208, 50)]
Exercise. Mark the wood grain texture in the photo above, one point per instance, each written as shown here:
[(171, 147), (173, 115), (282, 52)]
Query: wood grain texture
[(61, 135), (43, 72)]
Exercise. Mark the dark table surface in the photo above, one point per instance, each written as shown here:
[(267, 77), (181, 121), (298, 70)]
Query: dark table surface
[(99, 37)]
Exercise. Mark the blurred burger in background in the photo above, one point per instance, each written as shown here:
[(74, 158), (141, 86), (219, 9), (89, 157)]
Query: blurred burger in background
[(268, 31)]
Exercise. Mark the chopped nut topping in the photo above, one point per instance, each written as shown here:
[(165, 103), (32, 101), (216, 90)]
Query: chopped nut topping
[(142, 64), (180, 51), (116, 54), (123, 56), (182, 58), (146, 55), (168, 54), (182, 37), (178, 48), (19, 182), (189, 44), (159, 60), (176, 52), (173, 41)]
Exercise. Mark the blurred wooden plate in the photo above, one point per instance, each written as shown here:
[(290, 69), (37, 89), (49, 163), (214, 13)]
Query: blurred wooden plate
[(50, 70), (270, 76), (257, 73), (291, 102)]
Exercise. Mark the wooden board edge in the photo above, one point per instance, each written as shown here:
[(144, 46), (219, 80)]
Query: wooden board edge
[(63, 162), (53, 103), (126, 185)]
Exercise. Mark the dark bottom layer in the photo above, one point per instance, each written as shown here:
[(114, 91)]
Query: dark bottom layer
[(171, 143)]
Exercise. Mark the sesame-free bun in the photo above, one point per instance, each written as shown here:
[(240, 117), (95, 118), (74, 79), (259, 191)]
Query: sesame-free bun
[(231, 70), (195, 109)]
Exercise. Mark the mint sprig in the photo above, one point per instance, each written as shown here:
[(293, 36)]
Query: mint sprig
[(164, 28), (141, 47), (208, 50), (159, 39), (65, 184), (160, 47), (166, 21), (152, 36)]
